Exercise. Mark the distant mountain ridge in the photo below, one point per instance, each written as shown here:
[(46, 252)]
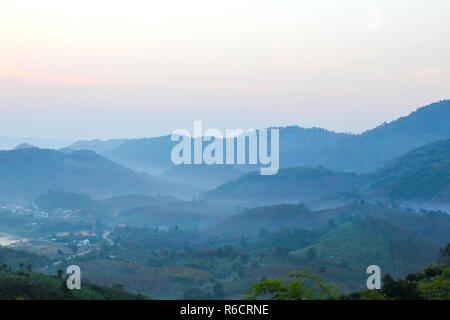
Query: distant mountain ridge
[(148, 154), (8, 143), (360, 153), (24, 146), (27, 173), (97, 145), (422, 174), (370, 150)]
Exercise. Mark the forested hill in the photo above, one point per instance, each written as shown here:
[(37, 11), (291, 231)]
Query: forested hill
[(422, 174), (299, 146), (290, 185), (25, 285), (373, 148), (27, 173)]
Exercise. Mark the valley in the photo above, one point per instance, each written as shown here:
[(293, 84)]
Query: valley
[(211, 232)]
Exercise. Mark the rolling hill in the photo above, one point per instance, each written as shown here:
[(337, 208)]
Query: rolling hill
[(370, 150), (204, 177), (27, 173), (250, 222), (8, 143), (290, 185), (421, 174), (343, 241), (356, 244), (431, 224), (148, 154), (132, 201), (97, 145), (359, 153), (19, 285), (154, 216), (24, 146), (153, 154)]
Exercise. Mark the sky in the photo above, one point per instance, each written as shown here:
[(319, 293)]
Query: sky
[(123, 69)]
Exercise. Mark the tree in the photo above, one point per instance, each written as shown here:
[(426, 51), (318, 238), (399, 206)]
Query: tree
[(400, 289), (21, 266), (60, 273), (439, 289), (306, 285), (29, 267)]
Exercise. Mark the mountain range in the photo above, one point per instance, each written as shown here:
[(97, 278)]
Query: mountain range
[(359, 153), (422, 174), (397, 160), (28, 172)]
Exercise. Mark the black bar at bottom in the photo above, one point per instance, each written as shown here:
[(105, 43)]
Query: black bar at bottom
[(227, 309)]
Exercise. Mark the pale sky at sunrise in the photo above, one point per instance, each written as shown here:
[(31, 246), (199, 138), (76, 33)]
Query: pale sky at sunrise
[(112, 69)]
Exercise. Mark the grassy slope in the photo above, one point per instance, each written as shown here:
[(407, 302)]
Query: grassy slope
[(36, 286)]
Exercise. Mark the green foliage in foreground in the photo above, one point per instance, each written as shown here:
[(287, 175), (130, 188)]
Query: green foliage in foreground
[(438, 289), (306, 285), (431, 283), (19, 285)]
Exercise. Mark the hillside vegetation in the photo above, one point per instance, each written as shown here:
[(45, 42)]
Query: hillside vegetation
[(23, 285), (27, 173), (423, 173), (306, 147), (290, 185)]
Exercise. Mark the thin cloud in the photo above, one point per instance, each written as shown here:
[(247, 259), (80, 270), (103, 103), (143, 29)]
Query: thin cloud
[(341, 91), (430, 72), (298, 65), (241, 87), (14, 73), (226, 86)]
